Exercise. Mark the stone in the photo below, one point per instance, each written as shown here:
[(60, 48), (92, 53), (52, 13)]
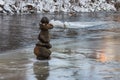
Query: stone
[(47, 45), (44, 34), (42, 52), (44, 20)]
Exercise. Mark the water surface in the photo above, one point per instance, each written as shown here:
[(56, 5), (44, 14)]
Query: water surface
[(90, 53)]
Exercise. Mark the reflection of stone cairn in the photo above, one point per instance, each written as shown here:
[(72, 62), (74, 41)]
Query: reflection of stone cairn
[(41, 70), (42, 47)]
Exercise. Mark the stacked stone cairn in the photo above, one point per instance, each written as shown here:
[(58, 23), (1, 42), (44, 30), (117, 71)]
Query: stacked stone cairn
[(41, 49)]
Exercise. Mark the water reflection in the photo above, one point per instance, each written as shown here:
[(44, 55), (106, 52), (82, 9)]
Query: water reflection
[(110, 50), (14, 28), (41, 70), (10, 26), (106, 50), (16, 31)]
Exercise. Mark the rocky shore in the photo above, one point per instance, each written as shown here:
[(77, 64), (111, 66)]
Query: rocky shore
[(51, 6)]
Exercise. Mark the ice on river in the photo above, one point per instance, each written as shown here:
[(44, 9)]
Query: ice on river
[(65, 24)]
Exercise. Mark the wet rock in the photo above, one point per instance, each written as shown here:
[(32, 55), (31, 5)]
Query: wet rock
[(42, 52), (44, 20), (47, 45), (44, 34)]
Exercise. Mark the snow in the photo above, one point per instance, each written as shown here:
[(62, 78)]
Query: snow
[(1, 9), (57, 23), (2, 2), (40, 6)]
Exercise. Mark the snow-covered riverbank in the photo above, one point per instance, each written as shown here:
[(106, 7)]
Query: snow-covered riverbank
[(39, 6)]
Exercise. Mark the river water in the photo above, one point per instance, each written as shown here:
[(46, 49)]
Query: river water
[(90, 53)]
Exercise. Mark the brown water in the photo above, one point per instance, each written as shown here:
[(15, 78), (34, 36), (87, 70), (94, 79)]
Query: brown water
[(77, 54)]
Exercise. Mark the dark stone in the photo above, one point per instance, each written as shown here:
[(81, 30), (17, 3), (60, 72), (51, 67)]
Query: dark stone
[(47, 45), (92, 1), (44, 37), (42, 52), (44, 34), (117, 6), (45, 20), (45, 26)]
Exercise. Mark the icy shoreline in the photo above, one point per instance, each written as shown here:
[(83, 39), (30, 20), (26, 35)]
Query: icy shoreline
[(51, 6)]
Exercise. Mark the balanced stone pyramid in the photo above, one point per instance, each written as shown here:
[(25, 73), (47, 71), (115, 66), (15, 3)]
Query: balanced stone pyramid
[(42, 48)]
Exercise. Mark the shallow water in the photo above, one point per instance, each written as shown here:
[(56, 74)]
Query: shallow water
[(90, 53)]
